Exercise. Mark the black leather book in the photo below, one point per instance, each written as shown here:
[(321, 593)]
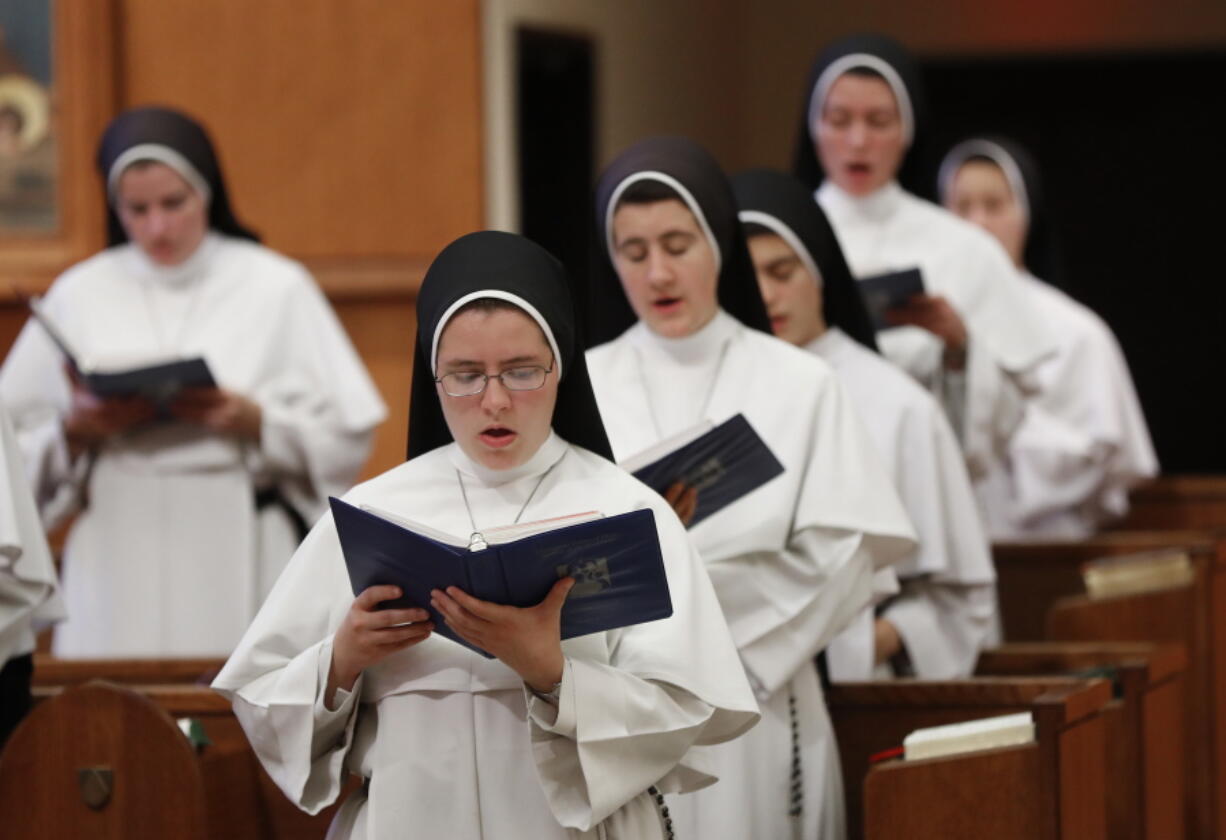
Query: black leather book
[(157, 382), (616, 562), (723, 464), (883, 292)]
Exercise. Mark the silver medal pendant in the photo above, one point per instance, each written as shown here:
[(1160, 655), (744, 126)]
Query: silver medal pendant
[(477, 542)]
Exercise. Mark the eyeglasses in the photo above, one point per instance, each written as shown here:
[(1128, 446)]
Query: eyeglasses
[(470, 383)]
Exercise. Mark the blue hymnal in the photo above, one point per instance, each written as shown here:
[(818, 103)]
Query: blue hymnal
[(157, 383), (723, 465), (883, 292), (615, 561)]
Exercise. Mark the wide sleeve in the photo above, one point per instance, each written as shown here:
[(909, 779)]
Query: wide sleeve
[(619, 727), (36, 393), (943, 626), (785, 606), (27, 575), (319, 406), (1083, 441), (277, 675)]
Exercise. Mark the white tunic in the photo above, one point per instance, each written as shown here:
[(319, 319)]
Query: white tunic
[(29, 597), (792, 561), (1082, 442), (946, 610), (893, 230), (167, 555), (452, 743)]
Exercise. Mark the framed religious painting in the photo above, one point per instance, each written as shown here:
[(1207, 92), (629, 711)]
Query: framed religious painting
[(57, 91)]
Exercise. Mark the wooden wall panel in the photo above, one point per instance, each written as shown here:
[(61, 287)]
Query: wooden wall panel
[(347, 128), (383, 331)]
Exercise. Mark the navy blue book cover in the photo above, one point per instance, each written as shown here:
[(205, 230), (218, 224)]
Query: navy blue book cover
[(724, 464), (882, 292), (615, 561), (156, 383)]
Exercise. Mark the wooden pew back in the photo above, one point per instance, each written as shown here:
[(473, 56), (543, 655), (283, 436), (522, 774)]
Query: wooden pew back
[(1178, 502), (1042, 597), (101, 762), (872, 717), (989, 793), (1145, 755)]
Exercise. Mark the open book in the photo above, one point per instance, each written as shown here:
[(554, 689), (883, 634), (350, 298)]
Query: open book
[(1130, 574), (615, 561), (723, 463), (982, 734), (883, 292), (157, 382)]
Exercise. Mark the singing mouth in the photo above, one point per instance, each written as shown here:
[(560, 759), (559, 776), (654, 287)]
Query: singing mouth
[(666, 302), (497, 436), (859, 168)]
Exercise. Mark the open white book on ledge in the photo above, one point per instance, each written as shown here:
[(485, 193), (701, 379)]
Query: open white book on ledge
[(982, 734)]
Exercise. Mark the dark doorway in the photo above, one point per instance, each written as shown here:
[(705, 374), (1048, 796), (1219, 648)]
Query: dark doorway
[(556, 136), (1131, 151)]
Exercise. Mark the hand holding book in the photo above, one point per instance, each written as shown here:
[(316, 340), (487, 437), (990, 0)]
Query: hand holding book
[(527, 639)]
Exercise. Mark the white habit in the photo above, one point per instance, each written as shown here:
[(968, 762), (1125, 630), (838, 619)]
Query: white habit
[(168, 555), (453, 744), (792, 562), (892, 230), (29, 599), (946, 610), (1083, 441)]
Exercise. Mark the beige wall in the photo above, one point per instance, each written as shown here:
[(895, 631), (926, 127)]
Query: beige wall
[(662, 67)]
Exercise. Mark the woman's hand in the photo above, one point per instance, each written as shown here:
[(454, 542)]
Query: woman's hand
[(219, 410), (886, 641), (938, 316), (528, 640), (369, 635), (684, 500), (92, 419)]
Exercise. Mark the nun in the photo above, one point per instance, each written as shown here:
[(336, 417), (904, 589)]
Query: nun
[(29, 597), (974, 338), (674, 297), (550, 739), (1084, 441), (946, 609), (184, 513)]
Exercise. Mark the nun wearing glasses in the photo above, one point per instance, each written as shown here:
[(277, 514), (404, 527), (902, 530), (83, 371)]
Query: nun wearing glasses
[(184, 512), (549, 739)]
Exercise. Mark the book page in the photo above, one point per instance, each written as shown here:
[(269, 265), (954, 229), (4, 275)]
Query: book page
[(510, 533), (417, 527), (670, 444)]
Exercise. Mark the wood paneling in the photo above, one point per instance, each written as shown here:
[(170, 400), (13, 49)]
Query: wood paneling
[(346, 129)]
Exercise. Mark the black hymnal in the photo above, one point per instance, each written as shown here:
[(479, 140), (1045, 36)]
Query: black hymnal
[(157, 383), (883, 292), (723, 464), (615, 561)]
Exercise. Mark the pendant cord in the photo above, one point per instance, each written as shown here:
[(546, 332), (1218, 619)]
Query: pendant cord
[(468, 507), (702, 414)]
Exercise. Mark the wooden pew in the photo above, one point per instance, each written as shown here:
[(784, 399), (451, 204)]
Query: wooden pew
[(1058, 783), (51, 671), (1177, 502), (130, 728), (986, 794), (1144, 759), (1041, 597)]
